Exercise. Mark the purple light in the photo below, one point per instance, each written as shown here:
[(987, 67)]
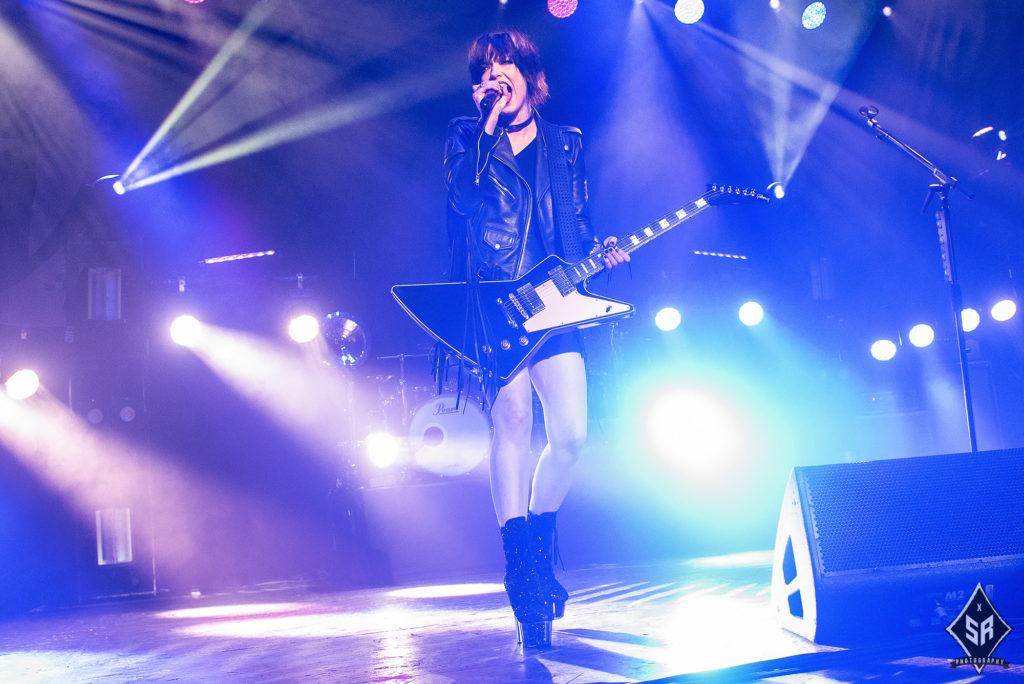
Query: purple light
[(238, 257), (562, 8)]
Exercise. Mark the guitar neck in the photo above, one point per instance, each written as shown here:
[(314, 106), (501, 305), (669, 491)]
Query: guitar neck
[(594, 264)]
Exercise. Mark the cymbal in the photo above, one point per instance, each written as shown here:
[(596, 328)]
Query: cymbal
[(402, 356)]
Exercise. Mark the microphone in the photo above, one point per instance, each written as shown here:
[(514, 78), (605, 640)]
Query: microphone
[(487, 104), (869, 112)]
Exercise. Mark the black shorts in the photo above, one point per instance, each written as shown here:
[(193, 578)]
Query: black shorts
[(559, 344)]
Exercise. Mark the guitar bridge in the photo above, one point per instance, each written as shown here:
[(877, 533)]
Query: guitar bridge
[(519, 306), (507, 309)]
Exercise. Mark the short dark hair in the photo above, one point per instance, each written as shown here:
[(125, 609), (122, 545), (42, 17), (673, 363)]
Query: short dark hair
[(510, 46)]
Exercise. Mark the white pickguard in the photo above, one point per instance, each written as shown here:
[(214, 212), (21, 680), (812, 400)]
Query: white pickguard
[(569, 309)]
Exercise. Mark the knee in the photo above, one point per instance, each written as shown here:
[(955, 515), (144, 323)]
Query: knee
[(569, 447), (512, 425)]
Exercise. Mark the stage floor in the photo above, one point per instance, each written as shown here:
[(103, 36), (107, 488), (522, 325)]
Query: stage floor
[(702, 620)]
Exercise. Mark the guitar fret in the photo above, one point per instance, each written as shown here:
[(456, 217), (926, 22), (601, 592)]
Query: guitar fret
[(640, 237)]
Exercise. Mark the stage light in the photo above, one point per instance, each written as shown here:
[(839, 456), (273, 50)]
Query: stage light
[(22, 384), (119, 188), (720, 255), (382, 449), (777, 189), (689, 11), (667, 319), (185, 330), (1004, 310), (562, 8), (883, 350), (921, 335), (813, 16), (887, 11), (970, 319), (751, 313), (775, 5), (239, 257), (304, 328), (694, 431)]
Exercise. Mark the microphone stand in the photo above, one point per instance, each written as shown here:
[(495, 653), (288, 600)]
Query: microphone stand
[(941, 188)]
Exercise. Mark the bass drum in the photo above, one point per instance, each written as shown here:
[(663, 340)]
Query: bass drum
[(447, 440)]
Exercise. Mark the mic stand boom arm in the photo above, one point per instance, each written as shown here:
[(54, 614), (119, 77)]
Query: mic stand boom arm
[(942, 188)]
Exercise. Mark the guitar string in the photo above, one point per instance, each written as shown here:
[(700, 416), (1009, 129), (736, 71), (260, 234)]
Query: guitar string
[(627, 245)]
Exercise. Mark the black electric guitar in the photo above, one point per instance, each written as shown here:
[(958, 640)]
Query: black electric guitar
[(517, 316)]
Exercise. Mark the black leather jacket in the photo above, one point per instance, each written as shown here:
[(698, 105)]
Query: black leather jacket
[(490, 205)]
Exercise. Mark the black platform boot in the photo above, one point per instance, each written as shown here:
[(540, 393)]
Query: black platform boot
[(529, 602), (542, 529)]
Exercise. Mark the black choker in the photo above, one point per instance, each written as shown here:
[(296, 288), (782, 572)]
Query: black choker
[(512, 128)]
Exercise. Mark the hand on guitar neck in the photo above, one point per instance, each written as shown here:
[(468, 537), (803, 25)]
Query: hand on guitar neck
[(612, 255)]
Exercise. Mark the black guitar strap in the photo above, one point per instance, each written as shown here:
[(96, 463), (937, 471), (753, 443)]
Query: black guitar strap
[(561, 191)]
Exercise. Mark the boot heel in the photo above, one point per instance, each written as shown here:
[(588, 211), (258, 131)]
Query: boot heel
[(534, 634), (559, 609)]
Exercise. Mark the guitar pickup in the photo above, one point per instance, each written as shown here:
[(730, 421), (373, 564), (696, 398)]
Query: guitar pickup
[(561, 281), (531, 301)]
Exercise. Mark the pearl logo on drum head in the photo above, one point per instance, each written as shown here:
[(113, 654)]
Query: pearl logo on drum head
[(449, 439)]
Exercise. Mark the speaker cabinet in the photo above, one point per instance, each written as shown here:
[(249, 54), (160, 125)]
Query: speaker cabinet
[(898, 546)]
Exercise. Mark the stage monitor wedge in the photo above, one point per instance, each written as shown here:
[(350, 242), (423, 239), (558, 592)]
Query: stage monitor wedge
[(890, 547)]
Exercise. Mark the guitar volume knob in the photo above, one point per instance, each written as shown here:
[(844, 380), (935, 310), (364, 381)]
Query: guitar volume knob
[(506, 345), (523, 340)]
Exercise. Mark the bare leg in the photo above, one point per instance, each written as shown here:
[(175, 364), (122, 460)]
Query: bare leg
[(512, 464), (561, 383)]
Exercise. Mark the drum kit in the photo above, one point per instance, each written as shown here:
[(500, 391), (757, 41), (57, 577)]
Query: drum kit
[(447, 435), (440, 434)]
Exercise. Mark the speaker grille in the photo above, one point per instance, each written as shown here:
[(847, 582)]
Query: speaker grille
[(915, 511)]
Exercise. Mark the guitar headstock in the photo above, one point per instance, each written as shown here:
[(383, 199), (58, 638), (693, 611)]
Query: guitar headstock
[(733, 194)]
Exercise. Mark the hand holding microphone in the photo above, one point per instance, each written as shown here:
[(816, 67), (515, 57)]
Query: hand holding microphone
[(487, 104), (490, 98)]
